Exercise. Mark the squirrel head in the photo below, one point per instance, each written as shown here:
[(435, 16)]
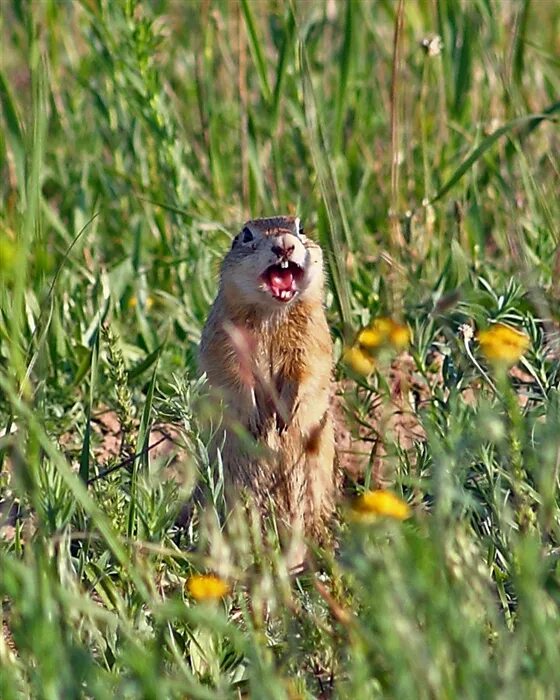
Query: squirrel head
[(273, 264)]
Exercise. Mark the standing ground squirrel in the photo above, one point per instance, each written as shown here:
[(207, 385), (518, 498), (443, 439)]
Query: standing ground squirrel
[(266, 347)]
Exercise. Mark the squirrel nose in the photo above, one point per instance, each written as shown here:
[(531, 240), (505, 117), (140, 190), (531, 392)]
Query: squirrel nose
[(284, 246), (283, 251)]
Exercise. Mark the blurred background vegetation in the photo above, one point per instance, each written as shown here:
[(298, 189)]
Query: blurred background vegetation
[(419, 143)]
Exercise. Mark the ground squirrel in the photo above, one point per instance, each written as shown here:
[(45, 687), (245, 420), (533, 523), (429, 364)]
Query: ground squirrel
[(266, 347)]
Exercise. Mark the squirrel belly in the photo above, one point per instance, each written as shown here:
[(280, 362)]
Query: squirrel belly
[(266, 348)]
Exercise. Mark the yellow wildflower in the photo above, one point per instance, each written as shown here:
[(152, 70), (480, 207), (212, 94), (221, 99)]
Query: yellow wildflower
[(380, 333), (376, 334), (359, 361), (133, 302), (384, 331), (380, 503), (399, 337), (502, 344), (204, 587)]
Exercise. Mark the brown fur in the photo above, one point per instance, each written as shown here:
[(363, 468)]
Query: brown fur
[(284, 405)]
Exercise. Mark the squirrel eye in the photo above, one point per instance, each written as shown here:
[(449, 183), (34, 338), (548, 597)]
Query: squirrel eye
[(247, 235), (301, 232)]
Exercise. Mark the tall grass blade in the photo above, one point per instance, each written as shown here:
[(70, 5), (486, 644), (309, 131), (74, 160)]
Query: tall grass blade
[(145, 421), (288, 43), (345, 64), (486, 143), (397, 239), (338, 231), (518, 49), (14, 130), (86, 446), (255, 45)]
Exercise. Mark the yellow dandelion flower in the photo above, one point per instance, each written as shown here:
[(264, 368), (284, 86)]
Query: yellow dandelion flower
[(359, 361), (376, 334), (399, 336), (380, 503), (384, 331), (503, 344), (204, 587), (370, 338), (133, 302)]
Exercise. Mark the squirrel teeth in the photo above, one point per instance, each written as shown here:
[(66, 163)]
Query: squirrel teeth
[(284, 294), (281, 280)]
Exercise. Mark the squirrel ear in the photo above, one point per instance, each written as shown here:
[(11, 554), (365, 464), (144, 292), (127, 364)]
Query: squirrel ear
[(247, 235)]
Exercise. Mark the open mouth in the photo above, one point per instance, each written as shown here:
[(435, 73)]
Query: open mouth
[(282, 280)]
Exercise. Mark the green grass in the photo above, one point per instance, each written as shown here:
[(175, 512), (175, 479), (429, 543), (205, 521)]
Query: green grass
[(135, 138)]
